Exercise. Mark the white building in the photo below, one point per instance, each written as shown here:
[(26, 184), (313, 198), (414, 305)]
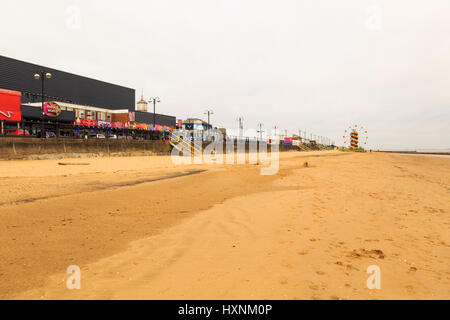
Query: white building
[(196, 124)]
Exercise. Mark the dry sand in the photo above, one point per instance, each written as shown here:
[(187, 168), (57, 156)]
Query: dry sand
[(143, 228)]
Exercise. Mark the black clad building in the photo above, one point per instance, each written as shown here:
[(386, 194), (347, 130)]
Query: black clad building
[(161, 119), (63, 86)]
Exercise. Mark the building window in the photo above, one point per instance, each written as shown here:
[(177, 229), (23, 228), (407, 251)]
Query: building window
[(89, 114), (108, 116)]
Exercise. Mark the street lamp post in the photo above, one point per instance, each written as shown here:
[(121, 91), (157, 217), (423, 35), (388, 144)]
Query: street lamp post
[(260, 131), (42, 75), (209, 113), (154, 100), (241, 127)]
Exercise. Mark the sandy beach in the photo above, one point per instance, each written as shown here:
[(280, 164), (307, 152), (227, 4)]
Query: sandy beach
[(143, 228)]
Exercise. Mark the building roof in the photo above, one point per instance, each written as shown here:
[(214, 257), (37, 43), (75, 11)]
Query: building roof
[(194, 120)]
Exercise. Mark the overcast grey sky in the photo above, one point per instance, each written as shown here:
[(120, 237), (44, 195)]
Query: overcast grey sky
[(314, 65)]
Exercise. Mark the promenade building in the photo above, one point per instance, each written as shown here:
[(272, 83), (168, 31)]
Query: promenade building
[(74, 105)]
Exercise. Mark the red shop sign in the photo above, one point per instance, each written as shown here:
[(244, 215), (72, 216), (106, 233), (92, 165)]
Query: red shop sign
[(86, 122), (119, 125), (10, 105)]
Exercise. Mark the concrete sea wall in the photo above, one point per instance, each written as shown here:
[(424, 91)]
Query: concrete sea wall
[(34, 148)]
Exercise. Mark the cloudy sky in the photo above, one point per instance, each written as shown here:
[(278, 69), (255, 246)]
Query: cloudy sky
[(311, 65)]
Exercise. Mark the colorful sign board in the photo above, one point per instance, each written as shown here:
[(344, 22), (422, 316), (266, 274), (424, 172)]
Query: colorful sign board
[(10, 105), (104, 124), (86, 122), (288, 141), (142, 126), (119, 125), (52, 109)]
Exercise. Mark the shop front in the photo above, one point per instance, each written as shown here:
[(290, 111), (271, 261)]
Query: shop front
[(59, 120), (52, 123), (10, 111)]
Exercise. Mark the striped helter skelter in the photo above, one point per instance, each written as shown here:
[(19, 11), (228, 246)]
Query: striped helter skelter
[(354, 137)]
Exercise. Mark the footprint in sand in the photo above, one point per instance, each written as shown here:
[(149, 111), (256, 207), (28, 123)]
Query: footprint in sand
[(410, 289), (283, 282), (412, 269), (363, 253)]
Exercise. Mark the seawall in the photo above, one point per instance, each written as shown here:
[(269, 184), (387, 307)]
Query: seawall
[(26, 148)]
